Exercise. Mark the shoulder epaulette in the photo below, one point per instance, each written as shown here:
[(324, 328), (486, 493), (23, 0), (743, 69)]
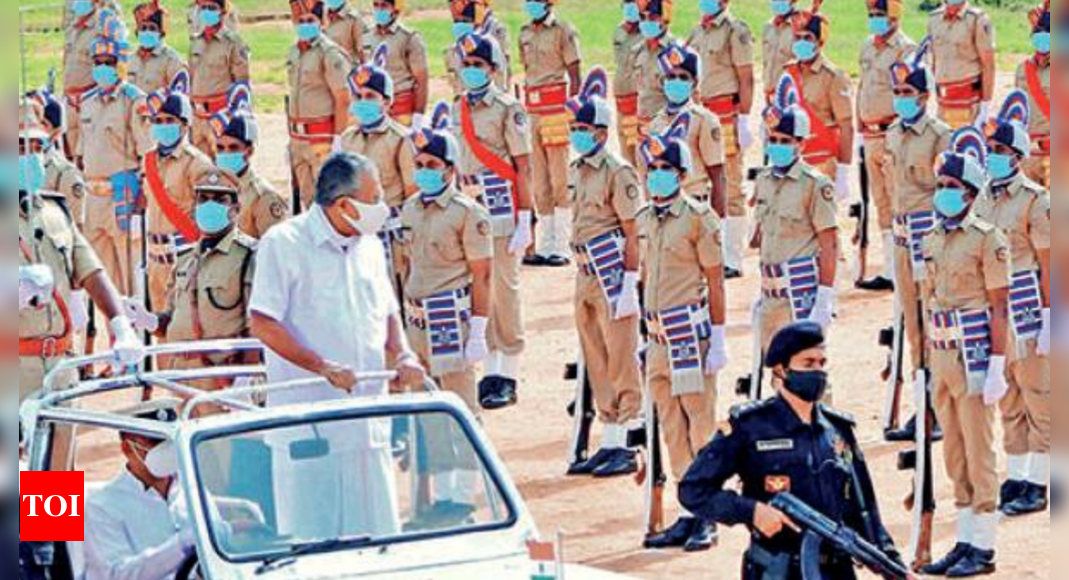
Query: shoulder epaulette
[(743, 410), (246, 241), (838, 416), (983, 226)]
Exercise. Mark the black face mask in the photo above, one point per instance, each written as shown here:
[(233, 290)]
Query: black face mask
[(808, 386)]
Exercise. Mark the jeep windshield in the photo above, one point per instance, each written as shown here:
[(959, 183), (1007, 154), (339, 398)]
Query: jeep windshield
[(279, 487)]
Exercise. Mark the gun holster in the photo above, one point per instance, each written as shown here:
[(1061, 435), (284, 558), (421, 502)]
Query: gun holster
[(770, 566)]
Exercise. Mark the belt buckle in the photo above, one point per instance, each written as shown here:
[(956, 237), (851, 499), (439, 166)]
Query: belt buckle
[(49, 347)]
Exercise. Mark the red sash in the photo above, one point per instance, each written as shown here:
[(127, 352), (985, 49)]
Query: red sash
[(499, 166), (52, 346), (824, 140), (1035, 87), (170, 209)]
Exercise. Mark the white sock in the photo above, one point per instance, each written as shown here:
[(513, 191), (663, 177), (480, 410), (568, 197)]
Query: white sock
[(889, 255), (1039, 469), (492, 364), (985, 534), (610, 437), (734, 240), (562, 219), (464, 490), (509, 366), (1017, 467), (547, 234), (444, 486), (966, 526)]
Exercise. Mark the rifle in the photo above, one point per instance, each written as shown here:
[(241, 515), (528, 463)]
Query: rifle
[(581, 410), (296, 205), (861, 212), (893, 374), (820, 530), (651, 475), (753, 386)]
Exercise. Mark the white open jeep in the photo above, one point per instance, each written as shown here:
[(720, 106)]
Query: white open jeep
[(330, 490)]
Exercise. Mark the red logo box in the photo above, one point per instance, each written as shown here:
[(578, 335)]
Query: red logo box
[(52, 506)]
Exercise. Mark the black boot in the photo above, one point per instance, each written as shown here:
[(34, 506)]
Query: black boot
[(620, 462), (535, 260), (877, 284), (908, 434), (675, 536), (940, 568), (732, 274), (488, 387), (557, 261), (1010, 492), (1032, 501), (977, 563), (587, 467), (504, 395), (702, 539)]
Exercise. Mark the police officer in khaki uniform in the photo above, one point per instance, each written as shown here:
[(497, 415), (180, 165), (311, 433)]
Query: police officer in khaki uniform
[(379, 137), (777, 38), (607, 197), (626, 40), (406, 59), (683, 273), (1021, 209), (218, 60), (887, 45), (797, 232), (495, 151), (1033, 76), (644, 64), (61, 175), (966, 291), (318, 96), (549, 49), (155, 64), (449, 250), (262, 206), (345, 26), (963, 60), (172, 172), (87, 17), (114, 139), (476, 16), (726, 46), (197, 21), (54, 261)]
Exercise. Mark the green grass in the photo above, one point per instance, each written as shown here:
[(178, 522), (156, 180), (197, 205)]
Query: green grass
[(595, 19)]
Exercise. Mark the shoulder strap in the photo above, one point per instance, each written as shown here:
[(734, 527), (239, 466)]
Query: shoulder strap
[(170, 209), (499, 166), (1035, 87)]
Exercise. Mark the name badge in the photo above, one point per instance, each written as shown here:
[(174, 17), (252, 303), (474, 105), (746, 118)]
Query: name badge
[(776, 445)]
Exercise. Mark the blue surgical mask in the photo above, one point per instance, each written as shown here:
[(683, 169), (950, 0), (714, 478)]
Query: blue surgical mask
[(955, 2), (82, 8), (212, 217), (651, 29), (335, 5), (1041, 42), (1000, 166), (584, 142), (367, 112), (308, 31), (210, 18), (462, 29), (430, 181), (781, 155), (233, 162), (383, 17), (474, 78), (149, 39), (105, 75), (711, 7), (662, 183), (781, 7), (879, 25), (31, 173), (678, 91), (631, 13), (950, 202), (537, 10), (907, 108), (167, 135), (804, 50)]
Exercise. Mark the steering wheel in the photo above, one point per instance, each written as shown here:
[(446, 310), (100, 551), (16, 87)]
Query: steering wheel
[(190, 569)]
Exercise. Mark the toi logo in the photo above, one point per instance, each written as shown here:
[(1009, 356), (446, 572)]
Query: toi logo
[(52, 506)]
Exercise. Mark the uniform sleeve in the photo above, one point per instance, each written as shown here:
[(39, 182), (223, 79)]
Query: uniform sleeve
[(710, 244), (626, 194), (996, 261), (239, 61), (518, 132), (108, 556), (823, 209), (139, 128), (271, 210), (85, 260), (842, 98), (742, 49), (984, 35), (72, 184), (1039, 223), (406, 163), (570, 46), (477, 235), (271, 285), (711, 142), (702, 490), (417, 54), (337, 70)]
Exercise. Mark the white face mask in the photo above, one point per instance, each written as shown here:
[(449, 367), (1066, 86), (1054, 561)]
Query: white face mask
[(373, 217), (162, 460)]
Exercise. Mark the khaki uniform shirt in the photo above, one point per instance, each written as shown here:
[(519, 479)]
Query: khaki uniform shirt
[(262, 207), (77, 54), (875, 96), (63, 249), (180, 172), (965, 264), (153, 70), (705, 140), (625, 42), (115, 134), (647, 77), (406, 53), (212, 289), (778, 41), (828, 91), (547, 50), (958, 42), (1040, 124), (724, 45), (502, 77), (315, 75), (216, 64), (1022, 211), (441, 240), (389, 147), (914, 151), (676, 251), (61, 176), (792, 211), (346, 29), (605, 194)]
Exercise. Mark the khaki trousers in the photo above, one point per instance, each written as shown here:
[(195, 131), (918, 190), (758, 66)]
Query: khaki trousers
[(306, 159), (1026, 408), (159, 278), (609, 348), (32, 371), (969, 427), (688, 422), (879, 165), (506, 333), (112, 245), (733, 169), (549, 172), (906, 292)]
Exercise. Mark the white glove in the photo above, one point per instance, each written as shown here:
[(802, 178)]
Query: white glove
[(36, 284), (139, 316), (127, 347), (746, 136), (628, 304), (79, 308), (335, 146), (477, 349), (522, 237), (824, 309), (1043, 348), (982, 116), (996, 387), (842, 182), (717, 358)]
